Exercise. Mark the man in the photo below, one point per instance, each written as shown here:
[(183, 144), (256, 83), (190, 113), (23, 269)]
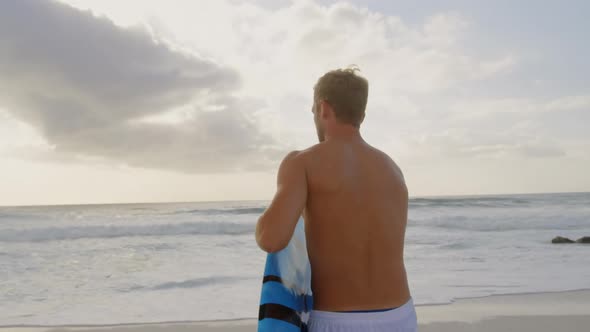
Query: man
[(354, 202)]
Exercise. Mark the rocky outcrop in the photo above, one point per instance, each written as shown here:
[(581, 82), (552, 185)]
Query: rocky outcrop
[(585, 239), (559, 239)]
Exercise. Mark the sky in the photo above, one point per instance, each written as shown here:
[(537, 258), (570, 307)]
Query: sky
[(107, 101)]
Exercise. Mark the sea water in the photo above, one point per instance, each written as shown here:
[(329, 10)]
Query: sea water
[(131, 263)]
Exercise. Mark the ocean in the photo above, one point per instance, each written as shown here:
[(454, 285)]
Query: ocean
[(169, 262)]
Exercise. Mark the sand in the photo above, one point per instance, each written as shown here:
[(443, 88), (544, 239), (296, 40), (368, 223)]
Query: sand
[(539, 312)]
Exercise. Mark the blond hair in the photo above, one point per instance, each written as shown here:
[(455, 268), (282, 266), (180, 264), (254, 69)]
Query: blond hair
[(346, 92)]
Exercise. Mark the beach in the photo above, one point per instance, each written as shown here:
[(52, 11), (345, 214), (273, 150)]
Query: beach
[(152, 153), (196, 267), (535, 312)]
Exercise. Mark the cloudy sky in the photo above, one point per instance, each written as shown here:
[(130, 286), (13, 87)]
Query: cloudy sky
[(143, 101)]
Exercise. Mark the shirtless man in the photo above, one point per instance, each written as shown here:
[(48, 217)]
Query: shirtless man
[(354, 202)]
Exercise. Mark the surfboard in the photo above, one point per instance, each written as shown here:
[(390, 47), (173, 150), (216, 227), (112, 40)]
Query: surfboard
[(286, 297)]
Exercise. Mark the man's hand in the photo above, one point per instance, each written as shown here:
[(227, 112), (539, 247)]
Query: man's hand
[(277, 223)]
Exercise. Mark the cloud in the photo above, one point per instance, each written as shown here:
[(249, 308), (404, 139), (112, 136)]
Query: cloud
[(175, 108), (86, 84), (466, 143), (542, 151), (281, 53), (504, 129), (305, 39), (276, 54)]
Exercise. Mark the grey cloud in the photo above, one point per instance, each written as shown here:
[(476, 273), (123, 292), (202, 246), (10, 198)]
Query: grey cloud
[(523, 149), (542, 151), (469, 144), (84, 83)]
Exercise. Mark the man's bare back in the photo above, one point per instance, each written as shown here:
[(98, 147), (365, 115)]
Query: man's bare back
[(354, 200), (355, 220)]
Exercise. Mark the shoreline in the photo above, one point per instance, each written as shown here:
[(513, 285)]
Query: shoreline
[(498, 308), (503, 294)]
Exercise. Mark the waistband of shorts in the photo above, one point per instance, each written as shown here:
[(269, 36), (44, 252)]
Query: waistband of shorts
[(398, 313)]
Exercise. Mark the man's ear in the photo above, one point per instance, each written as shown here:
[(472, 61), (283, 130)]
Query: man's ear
[(325, 109)]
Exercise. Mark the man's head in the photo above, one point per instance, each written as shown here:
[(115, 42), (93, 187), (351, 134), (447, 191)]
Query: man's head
[(339, 99)]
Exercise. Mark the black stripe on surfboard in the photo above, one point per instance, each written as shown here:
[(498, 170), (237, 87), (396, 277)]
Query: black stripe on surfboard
[(278, 311), (271, 278)]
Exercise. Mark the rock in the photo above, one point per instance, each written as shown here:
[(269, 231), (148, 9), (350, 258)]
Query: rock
[(559, 239), (585, 239)]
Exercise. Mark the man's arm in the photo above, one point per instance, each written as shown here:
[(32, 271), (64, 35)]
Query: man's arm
[(277, 223)]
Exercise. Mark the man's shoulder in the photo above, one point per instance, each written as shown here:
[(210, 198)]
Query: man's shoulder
[(314, 149), (301, 158), (305, 153), (294, 158), (388, 160)]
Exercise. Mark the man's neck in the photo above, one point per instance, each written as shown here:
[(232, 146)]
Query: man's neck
[(347, 133)]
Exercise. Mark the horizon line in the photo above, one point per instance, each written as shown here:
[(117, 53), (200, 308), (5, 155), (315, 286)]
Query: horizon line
[(262, 200)]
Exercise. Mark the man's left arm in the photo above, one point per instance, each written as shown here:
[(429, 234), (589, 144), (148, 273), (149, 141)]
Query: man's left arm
[(277, 223)]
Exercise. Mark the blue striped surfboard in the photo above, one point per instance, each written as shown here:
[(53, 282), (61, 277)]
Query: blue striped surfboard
[(285, 299)]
